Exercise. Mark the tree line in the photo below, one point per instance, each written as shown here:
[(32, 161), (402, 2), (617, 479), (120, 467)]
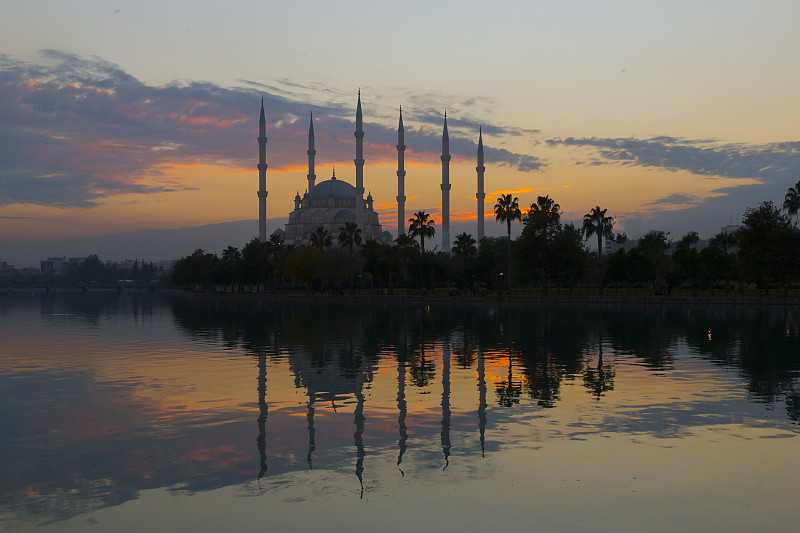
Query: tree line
[(548, 256)]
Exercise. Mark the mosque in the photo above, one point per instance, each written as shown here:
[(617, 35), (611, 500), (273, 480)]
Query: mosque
[(332, 203)]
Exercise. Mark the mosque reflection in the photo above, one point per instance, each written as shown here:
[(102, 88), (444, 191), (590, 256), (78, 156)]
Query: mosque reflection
[(334, 351), (370, 390)]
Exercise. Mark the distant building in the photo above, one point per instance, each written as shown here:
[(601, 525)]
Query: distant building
[(53, 265), (730, 229)]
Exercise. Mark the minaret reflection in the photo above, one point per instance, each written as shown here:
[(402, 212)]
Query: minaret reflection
[(263, 411), (312, 445), (402, 407), (446, 402), (482, 400), (359, 419)]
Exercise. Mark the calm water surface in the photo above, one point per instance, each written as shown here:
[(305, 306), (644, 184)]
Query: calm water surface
[(135, 412)]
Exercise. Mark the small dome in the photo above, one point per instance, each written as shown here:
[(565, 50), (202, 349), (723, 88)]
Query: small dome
[(332, 188)]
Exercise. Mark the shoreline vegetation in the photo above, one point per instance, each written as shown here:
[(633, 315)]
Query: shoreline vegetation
[(747, 263), (755, 262)]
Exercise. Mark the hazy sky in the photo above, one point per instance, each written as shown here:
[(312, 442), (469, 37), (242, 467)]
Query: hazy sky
[(121, 116)]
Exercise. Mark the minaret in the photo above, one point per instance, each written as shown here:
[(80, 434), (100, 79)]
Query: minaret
[(311, 153), (359, 161), (445, 188), (401, 177), (480, 194), (262, 175)]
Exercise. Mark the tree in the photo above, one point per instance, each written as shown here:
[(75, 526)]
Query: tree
[(278, 253), (406, 249), (595, 222), (464, 252), (726, 241), (567, 255), (507, 210), (350, 237), (653, 247), (231, 261), (687, 259), (768, 245), (542, 223), (420, 225), (464, 246), (321, 238), (380, 260), (200, 269), (255, 262), (791, 203)]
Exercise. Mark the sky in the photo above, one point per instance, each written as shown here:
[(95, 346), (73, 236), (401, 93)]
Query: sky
[(126, 116)]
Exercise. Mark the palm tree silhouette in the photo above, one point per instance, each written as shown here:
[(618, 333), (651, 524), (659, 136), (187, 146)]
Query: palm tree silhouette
[(791, 203), (464, 246), (595, 222), (421, 226), (507, 210), (321, 238), (350, 237)]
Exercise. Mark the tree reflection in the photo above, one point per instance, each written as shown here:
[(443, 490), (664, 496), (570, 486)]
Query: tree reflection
[(599, 380), (543, 346), (508, 389)]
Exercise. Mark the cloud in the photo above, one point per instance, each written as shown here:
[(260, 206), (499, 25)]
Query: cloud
[(75, 130), (675, 200), (772, 162)]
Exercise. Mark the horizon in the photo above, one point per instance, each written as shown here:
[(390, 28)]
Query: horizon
[(672, 134)]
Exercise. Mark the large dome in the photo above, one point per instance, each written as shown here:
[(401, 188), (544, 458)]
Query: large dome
[(332, 188)]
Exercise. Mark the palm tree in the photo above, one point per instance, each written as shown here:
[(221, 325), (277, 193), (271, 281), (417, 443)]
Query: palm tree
[(421, 226), (277, 252), (231, 254), (507, 210), (321, 238), (350, 237), (231, 259), (464, 246), (791, 204), (595, 222), (725, 240), (544, 215), (405, 249)]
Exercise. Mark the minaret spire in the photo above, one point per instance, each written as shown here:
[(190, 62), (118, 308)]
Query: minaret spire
[(311, 153), (359, 161), (262, 175), (445, 188), (480, 194), (401, 177)]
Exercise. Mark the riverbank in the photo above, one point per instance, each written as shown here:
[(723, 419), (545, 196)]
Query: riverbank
[(439, 297), (493, 299)]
